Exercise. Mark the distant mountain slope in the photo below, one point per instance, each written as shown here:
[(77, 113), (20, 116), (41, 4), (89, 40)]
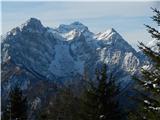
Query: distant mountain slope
[(63, 54), (67, 50)]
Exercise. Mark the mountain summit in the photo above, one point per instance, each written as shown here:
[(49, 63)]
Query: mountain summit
[(65, 53), (106, 34), (32, 25), (33, 22), (73, 26), (37, 57)]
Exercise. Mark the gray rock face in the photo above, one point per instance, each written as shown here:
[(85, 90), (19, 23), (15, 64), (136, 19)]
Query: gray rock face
[(36, 57), (67, 51)]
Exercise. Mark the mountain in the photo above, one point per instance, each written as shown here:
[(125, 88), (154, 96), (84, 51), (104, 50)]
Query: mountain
[(34, 55)]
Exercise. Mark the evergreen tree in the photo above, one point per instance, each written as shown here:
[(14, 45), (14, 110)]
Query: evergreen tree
[(149, 82), (67, 105), (64, 106), (99, 101), (17, 106)]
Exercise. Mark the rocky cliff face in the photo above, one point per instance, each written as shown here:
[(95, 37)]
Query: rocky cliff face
[(32, 52)]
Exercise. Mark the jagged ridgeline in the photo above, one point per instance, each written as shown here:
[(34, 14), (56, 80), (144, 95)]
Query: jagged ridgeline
[(40, 58)]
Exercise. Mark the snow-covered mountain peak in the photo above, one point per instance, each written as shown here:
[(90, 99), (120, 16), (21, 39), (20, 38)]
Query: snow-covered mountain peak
[(106, 35), (75, 25), (48, 50), (32, 24), (111, 30), (71, 35), (64, 35), (63, 55)]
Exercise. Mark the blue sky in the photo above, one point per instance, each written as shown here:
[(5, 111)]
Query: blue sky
[(127, 18)]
